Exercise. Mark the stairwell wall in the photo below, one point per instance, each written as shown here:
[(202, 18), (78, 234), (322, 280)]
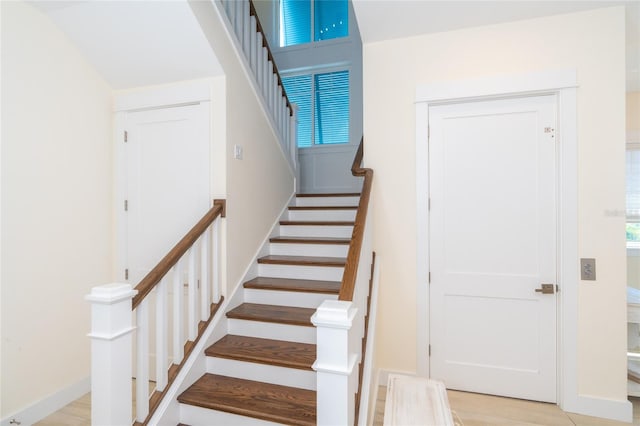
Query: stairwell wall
[(590, 42), (57, 227), (260, 184)]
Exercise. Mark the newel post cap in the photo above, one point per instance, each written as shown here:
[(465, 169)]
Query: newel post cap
[(334, 314), (111, 293)]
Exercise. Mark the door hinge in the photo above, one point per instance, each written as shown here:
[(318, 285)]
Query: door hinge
[(126, 205), (126, 274), (429, 350), (557, 288), (429, 277), (429, 207), (428, 132), (126, 136)]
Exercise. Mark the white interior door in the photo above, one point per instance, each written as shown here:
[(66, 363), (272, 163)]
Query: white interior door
[(167, 181), (492, 227)]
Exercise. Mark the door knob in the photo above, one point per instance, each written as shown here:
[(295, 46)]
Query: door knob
[(545, 289)]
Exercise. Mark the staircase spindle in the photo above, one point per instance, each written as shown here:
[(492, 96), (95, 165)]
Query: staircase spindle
[(204, 276), (162, 328), (142, 362), (215, 236), (192, 288), (178, 315)]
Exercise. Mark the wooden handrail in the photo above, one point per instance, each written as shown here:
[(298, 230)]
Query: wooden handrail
[(355, 246), (160, 270), (265, 43)]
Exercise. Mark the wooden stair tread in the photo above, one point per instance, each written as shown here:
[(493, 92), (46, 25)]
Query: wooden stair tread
[(272, 313), (323, 207), (317, 222), (335, 194), (264, 351), (276, 403), (309, 240), (303, 260), (288, 284)]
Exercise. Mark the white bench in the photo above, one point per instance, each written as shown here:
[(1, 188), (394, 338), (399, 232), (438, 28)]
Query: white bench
[(416, 401)]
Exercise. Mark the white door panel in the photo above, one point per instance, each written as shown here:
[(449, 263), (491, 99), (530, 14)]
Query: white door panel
[(167, 156), (492, 243)]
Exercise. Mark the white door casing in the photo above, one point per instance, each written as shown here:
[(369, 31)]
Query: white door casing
[(167, 180), (492, 243)]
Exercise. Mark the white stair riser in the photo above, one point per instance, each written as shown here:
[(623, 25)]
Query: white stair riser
[(192, 415), (330, 231), (304, 379), (322, 214), (275, 331), (286, 298), (322, 273), (327, 201), (290, 249)]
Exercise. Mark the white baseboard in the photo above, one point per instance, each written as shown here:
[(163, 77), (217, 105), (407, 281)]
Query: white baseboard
[(621, 410), (50, 404)]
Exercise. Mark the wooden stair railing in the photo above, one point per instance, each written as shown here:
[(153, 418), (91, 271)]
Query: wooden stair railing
[(355, 247), (260, 62), (201, 308)]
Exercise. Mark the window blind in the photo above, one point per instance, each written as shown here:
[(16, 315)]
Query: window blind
[(331, 18), (300, 91), (295, 22), (332, 108)]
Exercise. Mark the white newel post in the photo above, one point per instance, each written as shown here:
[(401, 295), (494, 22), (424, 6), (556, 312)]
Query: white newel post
[(336, 363), (111, 363)]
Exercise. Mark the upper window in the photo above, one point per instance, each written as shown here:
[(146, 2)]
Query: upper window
[(303, 21), (323, 107)]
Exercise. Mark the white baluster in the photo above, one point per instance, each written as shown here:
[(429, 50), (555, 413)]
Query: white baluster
[(178, 315), (205, 307), (246, 15), (259, 61), (237, 23), (253, 55), (216, 260), (142, 362), (278, 107), (272, 87), (162, 330), (265, 78), (191, 310), (231, 13), (111, 348)]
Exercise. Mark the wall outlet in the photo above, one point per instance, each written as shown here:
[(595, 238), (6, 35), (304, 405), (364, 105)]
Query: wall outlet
[(237, 152), (588, 269)]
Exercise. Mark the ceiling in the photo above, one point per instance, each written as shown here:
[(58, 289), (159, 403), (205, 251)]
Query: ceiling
[(136, 43), (413, 17)]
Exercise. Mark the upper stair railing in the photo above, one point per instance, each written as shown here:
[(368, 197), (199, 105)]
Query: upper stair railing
[(343, 324), (166, 330), (252, 41)]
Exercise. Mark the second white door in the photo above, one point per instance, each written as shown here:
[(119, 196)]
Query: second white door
[(167, 181), (492, 227)]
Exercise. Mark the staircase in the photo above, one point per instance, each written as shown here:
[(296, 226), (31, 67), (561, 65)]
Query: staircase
[(261, 371)]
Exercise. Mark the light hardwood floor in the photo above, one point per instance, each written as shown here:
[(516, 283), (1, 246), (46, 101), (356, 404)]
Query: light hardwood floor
[(469, 409)]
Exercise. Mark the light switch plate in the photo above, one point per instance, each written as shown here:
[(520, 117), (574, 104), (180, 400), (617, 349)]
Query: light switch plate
[(237, 152), (588, 269)]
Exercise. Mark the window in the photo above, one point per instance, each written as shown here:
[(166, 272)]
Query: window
[(633, 195), (323, 107), (303, 21)]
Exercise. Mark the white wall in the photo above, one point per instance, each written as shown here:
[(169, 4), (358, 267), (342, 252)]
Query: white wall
[(56, 206), (257, 187), (590, 42), (633, 135), (323, 168)]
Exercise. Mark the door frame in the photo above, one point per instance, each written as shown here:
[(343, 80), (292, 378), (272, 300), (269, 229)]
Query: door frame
[(182, 94), (563, 84)]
